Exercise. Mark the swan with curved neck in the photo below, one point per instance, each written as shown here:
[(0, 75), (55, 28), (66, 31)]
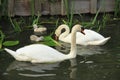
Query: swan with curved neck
[(90, 38), (39, 53)]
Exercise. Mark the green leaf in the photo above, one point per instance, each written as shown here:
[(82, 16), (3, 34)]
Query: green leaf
[(10, 43), (0, 45), (2, 36), (50, 42)]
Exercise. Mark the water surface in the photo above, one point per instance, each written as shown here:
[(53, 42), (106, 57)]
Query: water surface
[(91, 63)]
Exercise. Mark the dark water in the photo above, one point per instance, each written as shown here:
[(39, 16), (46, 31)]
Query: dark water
[(92, 62)]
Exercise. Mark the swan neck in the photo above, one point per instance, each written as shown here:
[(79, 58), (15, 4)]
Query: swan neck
[(73, 49), (64, 34), (73, 41)]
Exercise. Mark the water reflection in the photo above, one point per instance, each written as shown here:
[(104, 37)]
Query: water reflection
[(29, 70), (73, 69), (92, 63), (82, 50), (99, 71), (90, 50), (23, 69)]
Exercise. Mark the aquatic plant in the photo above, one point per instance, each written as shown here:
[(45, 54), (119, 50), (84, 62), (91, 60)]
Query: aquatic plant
[(3, 7), (15, 25), (69, 12), (10, 43), (2, 36), (4, 42), (117, 8), (48, 40), (32, 7), (96, 23), (92, 23), (36, 20)]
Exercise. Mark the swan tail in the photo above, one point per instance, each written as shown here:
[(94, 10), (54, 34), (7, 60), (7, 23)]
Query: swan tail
[(11, 52), (100, 42)]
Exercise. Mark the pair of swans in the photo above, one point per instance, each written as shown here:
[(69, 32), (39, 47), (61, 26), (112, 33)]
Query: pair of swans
[(39, 53), (90, 37)]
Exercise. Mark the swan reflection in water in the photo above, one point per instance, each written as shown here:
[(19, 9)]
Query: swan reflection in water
[(82, 50), (23, 67), (26, 69), (73, 69)]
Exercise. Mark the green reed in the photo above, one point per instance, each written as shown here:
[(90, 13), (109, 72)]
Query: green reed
[(2, 36), (36, 20), (69, 12), (15, 25), (4, 7), (117, 8), (5, 43), (32, 8)]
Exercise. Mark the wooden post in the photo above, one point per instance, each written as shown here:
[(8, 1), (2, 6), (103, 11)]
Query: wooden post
[(0, 2), (11, 7), (37, 7), (62, 7), (93, 6)]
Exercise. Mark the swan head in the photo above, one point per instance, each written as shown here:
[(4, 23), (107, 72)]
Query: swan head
[(61, 29), (82, 30), (78, 28), (35, 26)]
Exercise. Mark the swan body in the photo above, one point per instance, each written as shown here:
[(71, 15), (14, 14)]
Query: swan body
[(90, 38), (39, 53), (36, 38), (39, 29)]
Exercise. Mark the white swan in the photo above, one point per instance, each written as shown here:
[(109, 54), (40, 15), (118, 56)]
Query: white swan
[(39, 30), (90, 37), (38, 53), (36, 38)]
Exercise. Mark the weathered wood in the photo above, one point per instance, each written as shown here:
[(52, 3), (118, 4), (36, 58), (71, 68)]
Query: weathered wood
[(37, 7), (106, 5), (45, 7), (55, 8), (62, 7), (22, 7), (93, 6), (11, 7), (81, 6)]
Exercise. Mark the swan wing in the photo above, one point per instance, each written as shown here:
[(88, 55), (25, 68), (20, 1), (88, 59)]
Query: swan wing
[(93, 34), (41, 53), (89, 37), (99, 42)]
